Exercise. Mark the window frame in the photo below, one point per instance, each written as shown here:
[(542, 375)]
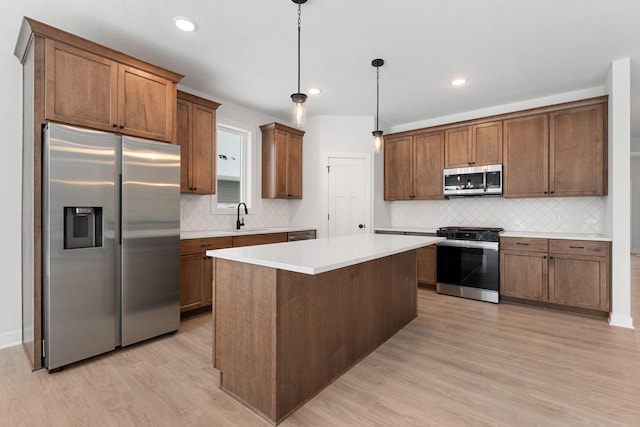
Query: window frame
[(245, 170)]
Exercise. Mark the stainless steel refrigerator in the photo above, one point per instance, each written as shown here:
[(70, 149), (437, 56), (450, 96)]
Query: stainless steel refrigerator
[(111, 242)]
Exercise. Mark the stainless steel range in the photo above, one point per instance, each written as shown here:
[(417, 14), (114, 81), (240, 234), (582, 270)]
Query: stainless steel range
[(469, 263)]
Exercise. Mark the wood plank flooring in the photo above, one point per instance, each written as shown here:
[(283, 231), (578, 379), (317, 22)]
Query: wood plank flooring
[(460, 363)]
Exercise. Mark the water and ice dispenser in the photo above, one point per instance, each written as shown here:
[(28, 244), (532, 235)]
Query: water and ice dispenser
[(82, 227)]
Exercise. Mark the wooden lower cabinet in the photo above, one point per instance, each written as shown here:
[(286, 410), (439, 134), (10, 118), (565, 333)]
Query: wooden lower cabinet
[(569, 273), (523, 275), (428, 265), (196, 269)]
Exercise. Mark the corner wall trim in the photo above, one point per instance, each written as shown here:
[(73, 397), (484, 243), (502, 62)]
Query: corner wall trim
[(621, 320)]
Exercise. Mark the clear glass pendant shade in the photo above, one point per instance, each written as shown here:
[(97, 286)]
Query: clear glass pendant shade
[(378, 140), (299, 110)]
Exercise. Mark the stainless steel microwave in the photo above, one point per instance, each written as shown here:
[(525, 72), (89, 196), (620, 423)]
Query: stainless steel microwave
[(473, 181)]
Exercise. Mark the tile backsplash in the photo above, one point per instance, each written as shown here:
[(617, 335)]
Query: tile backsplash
[(197, 214), (562, 215)]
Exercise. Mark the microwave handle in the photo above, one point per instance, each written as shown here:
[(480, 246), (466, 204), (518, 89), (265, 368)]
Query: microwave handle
[(484, 179)]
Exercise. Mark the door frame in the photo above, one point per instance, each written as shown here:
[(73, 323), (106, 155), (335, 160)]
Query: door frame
[(368, 187)]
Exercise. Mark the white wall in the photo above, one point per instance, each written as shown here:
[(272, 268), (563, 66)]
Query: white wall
[(618, 209), (635, 202), (10, 191), (327, 135)]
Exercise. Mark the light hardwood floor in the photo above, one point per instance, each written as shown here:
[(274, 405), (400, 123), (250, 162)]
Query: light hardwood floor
[(460, 363)]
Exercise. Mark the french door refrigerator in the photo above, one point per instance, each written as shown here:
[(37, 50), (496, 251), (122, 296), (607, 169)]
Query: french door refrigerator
[(111, 242)]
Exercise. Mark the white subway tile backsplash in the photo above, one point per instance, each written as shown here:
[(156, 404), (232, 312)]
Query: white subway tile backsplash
[(197, 214), (562, 215)]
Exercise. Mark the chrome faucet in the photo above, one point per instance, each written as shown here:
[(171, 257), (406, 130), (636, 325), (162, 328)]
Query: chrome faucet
[(246, 212)]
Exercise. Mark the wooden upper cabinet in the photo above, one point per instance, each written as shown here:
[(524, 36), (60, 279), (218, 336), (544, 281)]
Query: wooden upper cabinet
[(281, 162), (146, 104), (486, 143), (183, 137), (81, 88), (428, 158), (562, 153), (474, 145), (89, 85), (526, 152), (413, 166), (577, 156), (398, 173), (196, 135), (457, 153)]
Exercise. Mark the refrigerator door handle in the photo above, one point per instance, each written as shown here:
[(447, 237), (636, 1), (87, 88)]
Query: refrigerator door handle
[(120, 209)]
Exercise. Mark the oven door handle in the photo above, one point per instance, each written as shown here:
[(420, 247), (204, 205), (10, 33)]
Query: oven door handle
[(494, 246)]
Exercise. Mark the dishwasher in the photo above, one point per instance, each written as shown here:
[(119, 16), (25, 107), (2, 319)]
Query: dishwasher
[(301, 235)]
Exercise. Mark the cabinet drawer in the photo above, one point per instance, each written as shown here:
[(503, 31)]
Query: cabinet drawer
[(259, 239), (523, 244), (579, 247), (198, 246)]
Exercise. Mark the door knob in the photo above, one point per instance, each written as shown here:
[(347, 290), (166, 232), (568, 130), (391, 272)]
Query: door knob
[(360, 225)]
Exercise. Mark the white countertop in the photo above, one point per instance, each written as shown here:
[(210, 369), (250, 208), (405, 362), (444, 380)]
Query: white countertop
[(232, 232), (562, 236), (321, 255)]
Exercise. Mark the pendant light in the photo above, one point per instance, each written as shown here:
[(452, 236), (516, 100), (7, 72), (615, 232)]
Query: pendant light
[(378, 140), (299, 111)]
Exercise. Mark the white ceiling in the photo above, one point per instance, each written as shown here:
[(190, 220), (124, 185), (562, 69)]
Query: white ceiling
[(244, 51)]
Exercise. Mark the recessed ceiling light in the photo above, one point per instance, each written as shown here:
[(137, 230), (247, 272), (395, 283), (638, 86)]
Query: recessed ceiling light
[(314, 91), (458, 82), (184, 24)]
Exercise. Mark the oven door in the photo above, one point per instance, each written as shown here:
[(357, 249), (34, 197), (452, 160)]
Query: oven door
[(470, 264)]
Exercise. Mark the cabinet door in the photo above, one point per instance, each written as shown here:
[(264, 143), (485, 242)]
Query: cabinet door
[(191, 281), (146, 104), (207, 281), (457, 148), (524, 275), (281, 158), (486, 143), (398, 176), (294, 167), (579, 281), (183, 138), (428, 159), (577, 160), (80, 87), (428, 265), (525, 156), (203, 150)]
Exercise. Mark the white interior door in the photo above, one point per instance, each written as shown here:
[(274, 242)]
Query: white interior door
[(347, 196)]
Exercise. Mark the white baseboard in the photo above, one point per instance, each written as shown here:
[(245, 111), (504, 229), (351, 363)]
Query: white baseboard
[(9, 339), (622, 321)]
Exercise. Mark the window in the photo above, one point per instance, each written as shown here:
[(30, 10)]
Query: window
[(231, 167)]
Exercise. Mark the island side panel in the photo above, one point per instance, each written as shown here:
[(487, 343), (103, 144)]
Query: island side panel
[(328, 322), (403, 304), (245, 333)]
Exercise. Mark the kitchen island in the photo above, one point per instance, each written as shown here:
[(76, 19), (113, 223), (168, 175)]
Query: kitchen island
[(289, 318)]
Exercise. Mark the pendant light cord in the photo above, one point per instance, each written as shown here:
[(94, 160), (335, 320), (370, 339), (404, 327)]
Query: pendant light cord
[(377, 96), (299, 22)]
